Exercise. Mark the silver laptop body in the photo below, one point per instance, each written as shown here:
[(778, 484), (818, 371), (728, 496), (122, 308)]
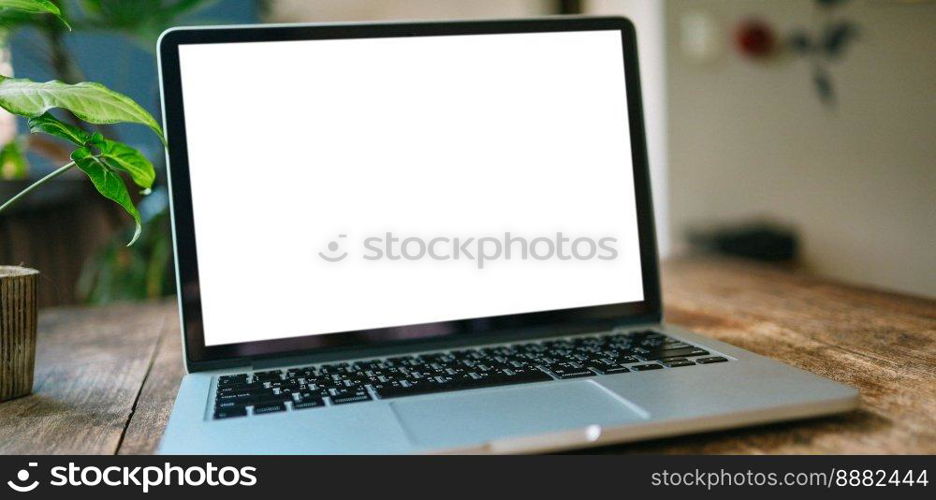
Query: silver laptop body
[(353, 351)]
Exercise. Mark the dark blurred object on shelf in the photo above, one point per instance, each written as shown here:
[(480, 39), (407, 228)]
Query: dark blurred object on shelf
[(760, 240), (569, 7)]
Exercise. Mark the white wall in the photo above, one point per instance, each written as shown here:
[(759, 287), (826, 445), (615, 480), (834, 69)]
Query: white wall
[(859, 181)]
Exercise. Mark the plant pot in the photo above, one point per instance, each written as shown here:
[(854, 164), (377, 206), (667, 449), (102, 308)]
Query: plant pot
[(18, 317)]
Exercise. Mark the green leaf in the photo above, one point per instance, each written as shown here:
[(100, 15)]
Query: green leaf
[(91, 102), (32, 6), (13, 164), (103, 160), (35, 7), (48, 124), (115, 155), (119, 156), (108, 183)]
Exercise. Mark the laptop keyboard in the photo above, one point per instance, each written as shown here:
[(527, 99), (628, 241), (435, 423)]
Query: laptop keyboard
[(321, 385)]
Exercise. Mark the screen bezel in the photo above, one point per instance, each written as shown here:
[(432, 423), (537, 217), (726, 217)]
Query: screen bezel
[(198, 356)]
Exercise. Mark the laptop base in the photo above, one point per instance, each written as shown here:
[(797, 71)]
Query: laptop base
[(525, 418)]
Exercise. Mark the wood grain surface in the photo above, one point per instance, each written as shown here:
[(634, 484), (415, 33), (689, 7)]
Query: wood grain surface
[(90, 367), (107, 377)]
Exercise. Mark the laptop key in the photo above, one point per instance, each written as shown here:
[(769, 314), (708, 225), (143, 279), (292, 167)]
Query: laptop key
[(235, 388), (228, 405), (677, 363), (353, 398), (269, 408), (641, 368), (232, 380), (341, 397), (714, 359), (569, 370), (675, 353), (238, 411), (609, 370), (311, 402), (676, 345), (238, 397)]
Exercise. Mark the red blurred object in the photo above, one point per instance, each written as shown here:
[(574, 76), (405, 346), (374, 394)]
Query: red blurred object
[(755, 38)]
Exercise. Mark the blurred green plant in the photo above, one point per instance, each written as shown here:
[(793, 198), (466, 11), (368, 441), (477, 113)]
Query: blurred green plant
[(102, 160), (140, 20), (140, 272), (13, 163), (28, 7), (117, 272)]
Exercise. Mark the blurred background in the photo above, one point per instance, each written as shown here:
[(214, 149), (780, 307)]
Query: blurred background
[(794, 132)]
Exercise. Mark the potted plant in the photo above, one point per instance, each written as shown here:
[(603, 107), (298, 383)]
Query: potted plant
[(104, 161)]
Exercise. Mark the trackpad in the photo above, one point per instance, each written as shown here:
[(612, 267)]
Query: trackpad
[(463, 418)]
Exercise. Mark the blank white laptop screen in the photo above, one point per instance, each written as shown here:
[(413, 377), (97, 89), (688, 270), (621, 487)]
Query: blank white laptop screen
[(342, 185)]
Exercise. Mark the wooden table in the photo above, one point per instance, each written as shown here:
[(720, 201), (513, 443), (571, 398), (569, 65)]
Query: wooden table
[(107, 377)]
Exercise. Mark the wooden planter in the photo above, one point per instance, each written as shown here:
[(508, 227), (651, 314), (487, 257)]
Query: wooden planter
[(18, 301)]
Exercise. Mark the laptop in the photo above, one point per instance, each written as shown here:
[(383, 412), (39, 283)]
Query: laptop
[(431, 238)]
